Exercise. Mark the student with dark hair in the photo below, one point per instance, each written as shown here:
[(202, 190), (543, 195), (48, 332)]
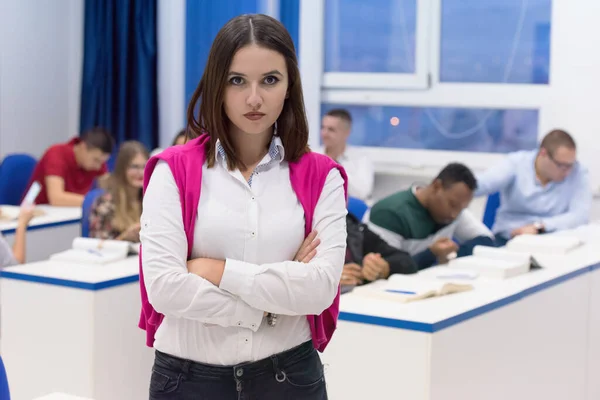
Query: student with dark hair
[(67, 171), (243, 232), (426, 221), (335, 131), (542, 190), (180, 138)]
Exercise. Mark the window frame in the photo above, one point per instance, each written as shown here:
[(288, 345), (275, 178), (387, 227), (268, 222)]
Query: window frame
[(435, 94)]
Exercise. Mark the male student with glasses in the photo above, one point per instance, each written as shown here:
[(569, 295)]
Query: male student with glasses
[(541, 190)]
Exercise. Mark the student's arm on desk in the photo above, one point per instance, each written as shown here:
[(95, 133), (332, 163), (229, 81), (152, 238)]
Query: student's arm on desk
[(172, 290), (55, 186), (471, 232), (496, 177), (400, 261), (579, 207)]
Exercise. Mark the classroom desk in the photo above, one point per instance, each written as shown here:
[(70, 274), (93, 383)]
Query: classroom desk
[(73, 328), (48, 234), (535, 336)]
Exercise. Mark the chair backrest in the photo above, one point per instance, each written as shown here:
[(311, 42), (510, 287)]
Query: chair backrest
[(4, 392), (491, 207), (357, 207), (86, 208), (15, 174)]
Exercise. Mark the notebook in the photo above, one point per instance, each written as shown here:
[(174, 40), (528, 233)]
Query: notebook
[(94, 251), (547, 244), (494, 263), (406, 289)]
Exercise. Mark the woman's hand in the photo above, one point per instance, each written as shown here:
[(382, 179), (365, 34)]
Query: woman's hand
[(308, 248)]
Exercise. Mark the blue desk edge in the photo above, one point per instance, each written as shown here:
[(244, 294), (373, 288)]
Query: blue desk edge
[(69, 283), (440, 325)]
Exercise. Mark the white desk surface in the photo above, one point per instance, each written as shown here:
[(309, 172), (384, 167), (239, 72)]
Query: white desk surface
[(83, 276), (436, 313), (53, 216)]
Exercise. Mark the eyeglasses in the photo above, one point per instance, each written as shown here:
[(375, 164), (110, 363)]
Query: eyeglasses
[(137, 167), (561, 165)]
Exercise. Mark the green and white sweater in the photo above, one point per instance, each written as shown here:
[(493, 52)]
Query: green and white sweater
[(403, 222)]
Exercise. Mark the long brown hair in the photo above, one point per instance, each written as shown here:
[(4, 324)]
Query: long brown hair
[(128, 207), (208, 97)]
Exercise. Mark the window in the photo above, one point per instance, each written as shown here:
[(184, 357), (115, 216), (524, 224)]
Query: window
[(496, 41), (375, 43), (454, 129)]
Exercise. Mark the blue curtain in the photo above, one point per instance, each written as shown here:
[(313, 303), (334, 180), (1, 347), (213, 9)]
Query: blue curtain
[(119, 88), (289, 11), (204, 19)]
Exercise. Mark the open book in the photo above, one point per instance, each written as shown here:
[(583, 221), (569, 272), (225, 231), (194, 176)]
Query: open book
[(405, 289), (11, 213), (94, 251), (495, 263), (547, 244)]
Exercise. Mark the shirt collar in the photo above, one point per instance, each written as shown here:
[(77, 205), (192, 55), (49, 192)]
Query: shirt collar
[(276, 151)]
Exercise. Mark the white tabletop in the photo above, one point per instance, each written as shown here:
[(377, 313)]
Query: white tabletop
[(82, 276), (61, 396), (433, 314), (53, 216)]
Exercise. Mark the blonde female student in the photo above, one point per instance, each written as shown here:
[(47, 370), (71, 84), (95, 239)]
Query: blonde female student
[(14, 255), (243, 233), (116, 213)]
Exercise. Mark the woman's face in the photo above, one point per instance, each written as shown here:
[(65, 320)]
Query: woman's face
[(135, 171), (256, 89)]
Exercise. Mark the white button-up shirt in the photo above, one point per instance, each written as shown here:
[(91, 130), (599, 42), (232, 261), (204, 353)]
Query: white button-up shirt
[(360, 172), (257, 226)]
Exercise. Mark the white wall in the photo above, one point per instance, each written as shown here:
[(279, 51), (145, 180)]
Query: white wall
[(41, 57), (171, 69)]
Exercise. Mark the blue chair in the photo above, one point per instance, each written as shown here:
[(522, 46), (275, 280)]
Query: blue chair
[(86, 208), (15, 174), (357, 207), (491, 207), (4, 392)]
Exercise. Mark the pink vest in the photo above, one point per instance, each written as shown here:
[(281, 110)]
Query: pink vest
[(307, 177)]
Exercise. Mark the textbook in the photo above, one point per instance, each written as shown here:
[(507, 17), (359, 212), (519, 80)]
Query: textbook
[(409, 288), (495, 263), (94, 251), (547, 244)]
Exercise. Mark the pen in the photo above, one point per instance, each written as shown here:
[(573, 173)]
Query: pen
[(399, 291)]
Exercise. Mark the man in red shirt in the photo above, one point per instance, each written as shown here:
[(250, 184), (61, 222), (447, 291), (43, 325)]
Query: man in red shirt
[(67, 171)]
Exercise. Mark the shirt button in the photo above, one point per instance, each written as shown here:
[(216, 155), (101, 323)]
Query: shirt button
[(239, 323), (252, 198), (253, 234)]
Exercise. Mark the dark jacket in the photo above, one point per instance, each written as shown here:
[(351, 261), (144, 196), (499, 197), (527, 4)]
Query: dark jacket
[(362, 241)]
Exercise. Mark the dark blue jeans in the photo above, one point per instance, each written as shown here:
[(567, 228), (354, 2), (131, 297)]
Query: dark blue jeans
[(293, 374)]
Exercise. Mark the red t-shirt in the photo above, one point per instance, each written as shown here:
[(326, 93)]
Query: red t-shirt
[(59, 160)]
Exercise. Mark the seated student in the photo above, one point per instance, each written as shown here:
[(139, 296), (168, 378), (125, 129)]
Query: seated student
[(542, 190), (16, 255), (425, 221), (369, 257), (335, 130), (179, 139), (116, 213), (67, 171)]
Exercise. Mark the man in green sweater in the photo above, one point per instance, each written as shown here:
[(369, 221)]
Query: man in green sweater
[(432, 222)]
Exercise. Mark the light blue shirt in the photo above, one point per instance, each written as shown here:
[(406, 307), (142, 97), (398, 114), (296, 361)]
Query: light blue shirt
[(523, 199)]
